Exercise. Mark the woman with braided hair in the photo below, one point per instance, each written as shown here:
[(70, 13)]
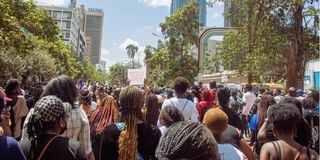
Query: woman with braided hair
[(106, 114), (187, 140), (131, 138)]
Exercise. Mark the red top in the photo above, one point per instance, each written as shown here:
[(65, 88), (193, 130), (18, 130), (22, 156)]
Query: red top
[(204, 104)]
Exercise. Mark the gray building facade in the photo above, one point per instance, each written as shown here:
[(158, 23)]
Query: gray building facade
[(93, 29)]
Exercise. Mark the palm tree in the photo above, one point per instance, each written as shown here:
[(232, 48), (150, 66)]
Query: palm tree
[(131, 52)]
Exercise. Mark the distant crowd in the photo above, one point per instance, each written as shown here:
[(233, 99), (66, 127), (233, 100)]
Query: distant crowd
[(70, 120)]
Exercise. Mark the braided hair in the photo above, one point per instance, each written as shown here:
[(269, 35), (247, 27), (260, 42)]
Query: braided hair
[(131, 102), (187, 140)]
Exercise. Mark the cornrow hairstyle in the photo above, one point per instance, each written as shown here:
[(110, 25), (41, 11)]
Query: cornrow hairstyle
[(131, 102), (104, 115), (187, 140), (170, 115)]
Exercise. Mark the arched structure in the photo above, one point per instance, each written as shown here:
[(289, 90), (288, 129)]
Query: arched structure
[(203, 39), (203, 44)]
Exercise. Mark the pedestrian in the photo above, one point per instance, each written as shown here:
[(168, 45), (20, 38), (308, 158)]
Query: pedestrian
[(248, 100), (233, 118), (152, 109), (19, 108), (187, 107), (78, 129), (130, 138), (86, 103), (205, 104), (169, 115), (46, 124), (285, 117), (217, 122), (107, 113), (187, 140)]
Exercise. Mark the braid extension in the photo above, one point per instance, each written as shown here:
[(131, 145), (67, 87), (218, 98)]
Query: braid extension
[(105, 114), (131, 100)]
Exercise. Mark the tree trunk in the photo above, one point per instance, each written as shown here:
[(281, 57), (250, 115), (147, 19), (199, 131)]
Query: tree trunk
[(295, 70)]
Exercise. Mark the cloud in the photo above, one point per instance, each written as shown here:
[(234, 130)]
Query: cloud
[(140, 55), (129, 41), (105, 56), (156, 3), (114, 44), (215, 15), (158, 30), (53, 2)]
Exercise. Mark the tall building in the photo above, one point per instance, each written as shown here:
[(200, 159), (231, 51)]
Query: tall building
[(93, 29), (67, 18), (176, 4)]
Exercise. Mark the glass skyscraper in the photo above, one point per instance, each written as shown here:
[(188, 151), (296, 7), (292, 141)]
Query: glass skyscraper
[(176, 4)]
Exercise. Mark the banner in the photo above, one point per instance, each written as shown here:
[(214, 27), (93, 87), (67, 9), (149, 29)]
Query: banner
[(136, 76)]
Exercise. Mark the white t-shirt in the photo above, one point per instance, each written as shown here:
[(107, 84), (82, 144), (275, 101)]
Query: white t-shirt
[(228, 152), (187, 108), (249, 99)]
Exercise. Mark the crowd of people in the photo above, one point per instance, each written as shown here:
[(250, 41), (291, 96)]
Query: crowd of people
[(68, 120)]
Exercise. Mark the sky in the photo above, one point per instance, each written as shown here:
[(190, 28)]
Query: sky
[(133, 22)]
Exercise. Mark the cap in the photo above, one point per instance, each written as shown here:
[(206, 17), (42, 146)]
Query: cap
[(5, 97), (50, 108), (216, 120)]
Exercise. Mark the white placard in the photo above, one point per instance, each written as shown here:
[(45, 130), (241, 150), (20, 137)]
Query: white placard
[(136, 76)]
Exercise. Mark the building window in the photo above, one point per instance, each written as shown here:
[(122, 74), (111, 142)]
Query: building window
[(66, 24), (56, 14), (66, 15), (66, 34)]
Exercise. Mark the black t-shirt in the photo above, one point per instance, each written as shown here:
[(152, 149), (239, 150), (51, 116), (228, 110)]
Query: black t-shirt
[(148, 139), (60, 148), (233, 118), (231, 136)]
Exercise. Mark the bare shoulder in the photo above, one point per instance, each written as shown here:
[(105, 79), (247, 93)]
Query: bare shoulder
[(266, 151)]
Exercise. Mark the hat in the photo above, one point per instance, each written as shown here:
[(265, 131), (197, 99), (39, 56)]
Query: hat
[(216, 120), (50, 108), (5, 97)]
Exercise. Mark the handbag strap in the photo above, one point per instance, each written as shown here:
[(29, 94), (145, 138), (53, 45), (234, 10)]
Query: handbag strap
[(46, 146)]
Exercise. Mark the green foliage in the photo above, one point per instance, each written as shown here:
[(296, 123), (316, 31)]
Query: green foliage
[(118, 74), (30, 44), (175, 56), (131, 52), (270, 43)]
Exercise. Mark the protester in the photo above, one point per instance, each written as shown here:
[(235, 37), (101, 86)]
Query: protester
[(213, 90), (187, 107), (285, 117), (277, 95), (35, 96), (152, 109), (4, 116), (248, 100), (187, 140), (217, 121), (18, 105), (46, 124), (223, 99), (205, 104), (169, 115), (65, 88), (9, 147), (132, 137), (86, 103), (106, 114)]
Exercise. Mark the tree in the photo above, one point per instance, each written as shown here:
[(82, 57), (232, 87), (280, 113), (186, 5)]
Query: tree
[(118, 74), (131, 52), (271, 42), (175, 56)]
